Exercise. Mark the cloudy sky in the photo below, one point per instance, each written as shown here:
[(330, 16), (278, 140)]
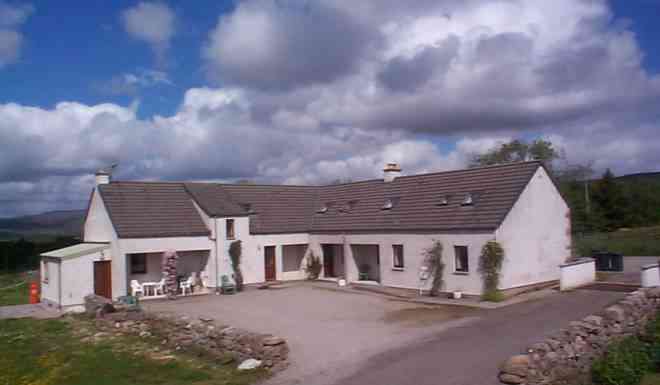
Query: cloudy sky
[(302, 91)]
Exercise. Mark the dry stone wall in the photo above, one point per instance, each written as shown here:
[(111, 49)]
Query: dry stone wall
[(568, 355), (224, 343)]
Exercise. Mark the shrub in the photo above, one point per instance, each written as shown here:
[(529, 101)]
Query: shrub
[(490, 264), (433, 260), (313, 266), (235, 251), (493, 296), (625, 363)]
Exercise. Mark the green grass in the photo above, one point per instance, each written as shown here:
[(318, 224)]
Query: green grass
[(651, 379), (14, 289), (48, 352), (640, 241)]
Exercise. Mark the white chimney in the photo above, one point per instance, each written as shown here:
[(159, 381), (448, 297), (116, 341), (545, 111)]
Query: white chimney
[(391, 171), (102, 177)]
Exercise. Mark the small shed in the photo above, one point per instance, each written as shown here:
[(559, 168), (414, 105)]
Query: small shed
[(71, 273)]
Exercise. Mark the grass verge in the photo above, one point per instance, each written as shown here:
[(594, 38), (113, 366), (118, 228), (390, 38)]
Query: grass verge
[(640, 241), (14, 289), (63, 351)]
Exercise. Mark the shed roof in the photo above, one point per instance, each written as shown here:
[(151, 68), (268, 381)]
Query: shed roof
[(76, 251)]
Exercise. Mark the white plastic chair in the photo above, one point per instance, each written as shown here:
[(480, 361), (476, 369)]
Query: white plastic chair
[(186, 285), (160, 287), (136, 288)]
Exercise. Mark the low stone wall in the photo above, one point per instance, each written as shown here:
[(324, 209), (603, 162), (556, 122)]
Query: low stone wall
[(568, 355), (225, 343), (577, 273)]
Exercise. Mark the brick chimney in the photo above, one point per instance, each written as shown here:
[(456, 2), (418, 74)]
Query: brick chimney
[(391, 171)]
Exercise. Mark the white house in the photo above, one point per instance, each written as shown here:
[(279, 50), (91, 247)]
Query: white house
[(374, 230)]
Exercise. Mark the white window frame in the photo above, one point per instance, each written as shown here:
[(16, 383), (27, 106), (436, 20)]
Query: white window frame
[(403, 259), (467, 260), (46, 270)]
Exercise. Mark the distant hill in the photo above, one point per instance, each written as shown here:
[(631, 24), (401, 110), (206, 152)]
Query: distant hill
[(640, 177), (63, 222)]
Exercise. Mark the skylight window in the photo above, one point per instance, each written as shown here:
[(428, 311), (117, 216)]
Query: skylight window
[(444, 200), (390, 203), (468, 200), (322, 210)]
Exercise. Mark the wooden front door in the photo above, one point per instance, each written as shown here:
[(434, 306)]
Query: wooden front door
[(269, 262), (329, 260), (103, 279)]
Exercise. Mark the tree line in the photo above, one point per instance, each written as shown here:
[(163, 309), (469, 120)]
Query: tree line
[(23, 254), (598, 203)]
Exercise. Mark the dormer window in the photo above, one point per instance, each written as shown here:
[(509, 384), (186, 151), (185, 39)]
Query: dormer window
[(444, 200), (468, 200), (390, 203), (324, 208)]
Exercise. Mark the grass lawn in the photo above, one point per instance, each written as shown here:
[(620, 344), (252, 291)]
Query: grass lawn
[(52, 352), (14, 289), (651, 379), (638, 241)]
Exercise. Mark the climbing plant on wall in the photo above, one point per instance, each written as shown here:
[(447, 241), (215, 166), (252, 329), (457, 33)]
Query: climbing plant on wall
[(436, 268), (235, 251), (490, 264), (313, 266)]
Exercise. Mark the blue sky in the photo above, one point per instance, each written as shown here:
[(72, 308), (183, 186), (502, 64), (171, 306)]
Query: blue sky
[(301, 91), (75, 46)]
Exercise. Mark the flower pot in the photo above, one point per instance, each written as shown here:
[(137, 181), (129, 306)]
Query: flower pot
[(341, 282), (457, 294)]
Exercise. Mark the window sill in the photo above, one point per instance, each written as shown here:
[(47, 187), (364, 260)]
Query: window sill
[(461, 273), (230, 239), (398, 269)]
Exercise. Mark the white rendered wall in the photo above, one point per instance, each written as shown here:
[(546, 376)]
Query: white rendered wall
[(579, 273), (50, 289), (252, 261), (650, 275), (78, 278), (413, 246), (535, 235), (98, 227)]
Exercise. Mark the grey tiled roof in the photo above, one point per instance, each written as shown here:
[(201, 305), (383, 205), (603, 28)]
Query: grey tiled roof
[(151, 209), (417, 203)]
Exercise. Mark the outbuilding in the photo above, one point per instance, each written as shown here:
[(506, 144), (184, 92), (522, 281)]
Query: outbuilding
[(71, 273)]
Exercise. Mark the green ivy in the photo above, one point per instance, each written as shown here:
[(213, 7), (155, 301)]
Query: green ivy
[(313, 267), (490, 265), (433, 260), (235, 251)]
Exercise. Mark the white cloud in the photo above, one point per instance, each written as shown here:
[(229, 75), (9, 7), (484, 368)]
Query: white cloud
[(317, 91), (11, 40), (151, 22), (131, 83)]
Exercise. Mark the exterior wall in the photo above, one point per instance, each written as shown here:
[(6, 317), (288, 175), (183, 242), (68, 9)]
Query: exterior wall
[(578, 273), (120, 268), (535, 235), (413, 246), (98, 227), (252, 263), (78, 278), (50, 289), (651, 275)]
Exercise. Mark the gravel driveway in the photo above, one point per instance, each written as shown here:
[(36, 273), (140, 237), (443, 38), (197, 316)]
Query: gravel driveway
[(330, 332), (346, 338)]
